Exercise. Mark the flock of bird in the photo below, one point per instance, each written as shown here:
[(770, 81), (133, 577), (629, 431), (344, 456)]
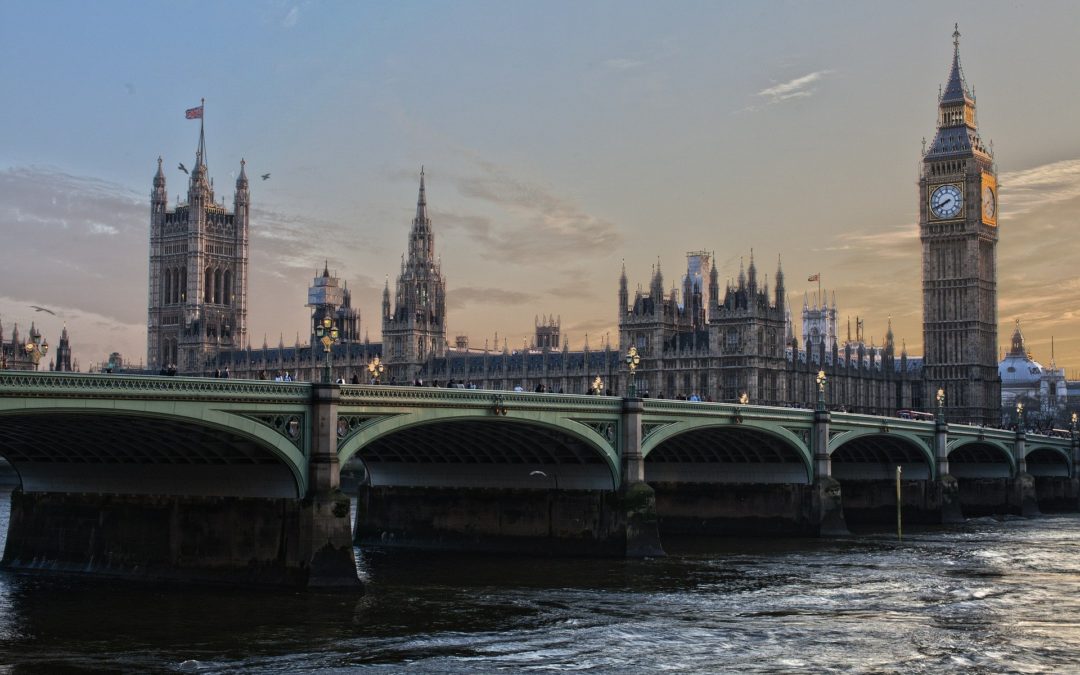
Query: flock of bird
[(184, 169)]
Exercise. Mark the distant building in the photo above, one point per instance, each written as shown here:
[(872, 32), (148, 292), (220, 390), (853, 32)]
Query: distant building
[(414, 329), (729, 344), (13, 354), (958, 229), (198, 271), (1043, 390)]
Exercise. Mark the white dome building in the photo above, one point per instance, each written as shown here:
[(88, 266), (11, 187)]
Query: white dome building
[(1025, 379)]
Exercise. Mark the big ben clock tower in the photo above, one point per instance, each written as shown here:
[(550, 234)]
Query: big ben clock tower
[(958, 211)]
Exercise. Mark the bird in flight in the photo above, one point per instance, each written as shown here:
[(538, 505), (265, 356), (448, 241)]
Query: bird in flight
[(265, 176), (42, 309), (183, 168)]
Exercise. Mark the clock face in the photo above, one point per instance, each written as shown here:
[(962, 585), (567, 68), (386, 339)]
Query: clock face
[(946, 201), (989, 202)]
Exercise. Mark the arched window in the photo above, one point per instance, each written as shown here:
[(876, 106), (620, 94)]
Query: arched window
[(226, 291), (183, 286), (167, 293), (208, 285), (217, 287)]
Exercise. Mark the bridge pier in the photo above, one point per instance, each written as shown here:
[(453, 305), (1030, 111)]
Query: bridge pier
[(946, 487), (1023, 499), (827, 500), (325, 530), (637, 498)]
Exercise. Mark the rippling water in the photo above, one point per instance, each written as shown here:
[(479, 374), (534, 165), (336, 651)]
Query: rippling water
[(989, 596)]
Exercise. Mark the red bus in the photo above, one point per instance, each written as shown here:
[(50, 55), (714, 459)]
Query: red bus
[(915, 415)]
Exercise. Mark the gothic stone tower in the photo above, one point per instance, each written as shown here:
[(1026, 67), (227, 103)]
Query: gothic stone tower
[(415, 331), (198, 272), (958, 229)]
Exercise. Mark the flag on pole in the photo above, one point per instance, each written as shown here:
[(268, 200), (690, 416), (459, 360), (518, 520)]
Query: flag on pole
[(814, 277), (193, 113)]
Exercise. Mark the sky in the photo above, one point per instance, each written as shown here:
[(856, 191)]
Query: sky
[(559, 139)]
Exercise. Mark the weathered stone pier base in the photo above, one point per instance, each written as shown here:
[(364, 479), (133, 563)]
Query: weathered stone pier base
[(1057, 494), (742, 509), (924, 502), (234, 540), (548, 522), (996, 496)]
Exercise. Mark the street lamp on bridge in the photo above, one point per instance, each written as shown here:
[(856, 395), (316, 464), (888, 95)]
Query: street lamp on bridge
[(598, 385), (1019, 416), (940, 405), (820, 379), (327, 332), (375, 369), (632, 361), (35, 349)]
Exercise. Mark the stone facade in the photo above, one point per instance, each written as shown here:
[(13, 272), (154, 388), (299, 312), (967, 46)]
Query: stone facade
[(13, 355), (414, 330), (958, 230), (198, 272)]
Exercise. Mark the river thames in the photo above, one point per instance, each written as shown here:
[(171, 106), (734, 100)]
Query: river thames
[(989, 596)]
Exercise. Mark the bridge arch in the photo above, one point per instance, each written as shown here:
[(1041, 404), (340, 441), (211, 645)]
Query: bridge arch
[(526, 449), (1047, 460), (747, 452), (133, 447), (873, 454), (980, 458)]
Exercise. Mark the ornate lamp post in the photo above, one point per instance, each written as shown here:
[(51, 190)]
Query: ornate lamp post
[(632, 361), (940, 405), (820, 379), (375, 369), (1073, 425), (598, 385), (35, 351), (743, 398), (327, 332), (1019, 416)]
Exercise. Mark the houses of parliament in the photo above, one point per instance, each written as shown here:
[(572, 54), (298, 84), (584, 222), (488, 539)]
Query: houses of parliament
[(731, 342)]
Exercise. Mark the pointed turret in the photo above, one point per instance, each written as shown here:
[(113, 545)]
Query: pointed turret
[(752, 273), (624, 293), (957, 122), (779, 283), (386, 298), (242, 179), (421, 241), (742, 275), (656, 288), (1018, 348), (159, 177), (956, 89)]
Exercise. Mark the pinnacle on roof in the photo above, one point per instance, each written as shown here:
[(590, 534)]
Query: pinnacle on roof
[(159, 177), (421, 203), (326, 269), (242, 179), (956, 89)]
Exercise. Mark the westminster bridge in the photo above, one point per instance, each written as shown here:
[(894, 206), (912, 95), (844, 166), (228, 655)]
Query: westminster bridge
[(239, 480)]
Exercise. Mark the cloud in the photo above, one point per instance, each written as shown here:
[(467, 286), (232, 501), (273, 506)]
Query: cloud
[(539, 227), (458, 298), (102, 228), (291, 17), (898, 243), (1026, 190), (623, 63), (800, 87)]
